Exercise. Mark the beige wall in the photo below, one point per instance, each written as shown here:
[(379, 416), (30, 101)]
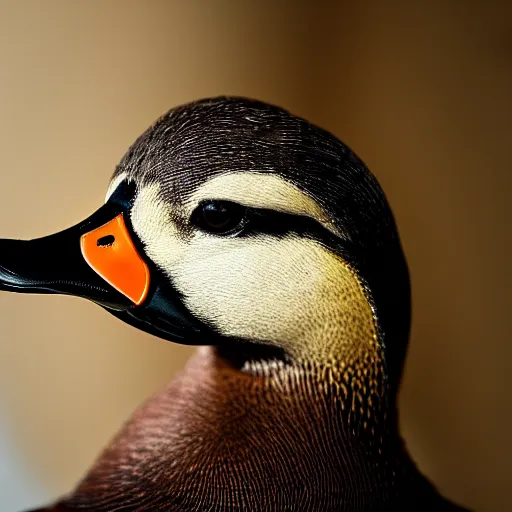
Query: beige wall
[(421, 90)]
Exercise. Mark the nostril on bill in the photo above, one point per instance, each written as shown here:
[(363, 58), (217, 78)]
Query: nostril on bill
[(106, 241)]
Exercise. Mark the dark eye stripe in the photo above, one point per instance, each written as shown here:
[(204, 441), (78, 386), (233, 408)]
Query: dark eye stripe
[(279, 224), (256, 221)]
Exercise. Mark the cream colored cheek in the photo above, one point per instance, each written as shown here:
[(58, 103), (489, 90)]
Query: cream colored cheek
[(151, 220), (291, 291), (265, 289)]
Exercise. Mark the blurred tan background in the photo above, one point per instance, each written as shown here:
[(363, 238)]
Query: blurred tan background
[(421, 90)]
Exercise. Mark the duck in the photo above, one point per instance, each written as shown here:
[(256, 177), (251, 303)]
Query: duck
[(235, 226)]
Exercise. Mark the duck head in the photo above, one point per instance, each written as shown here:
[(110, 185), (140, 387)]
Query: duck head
[(233, 223)]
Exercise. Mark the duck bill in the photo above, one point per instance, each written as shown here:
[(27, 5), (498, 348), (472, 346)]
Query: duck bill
[(101, 259), (96, 259)]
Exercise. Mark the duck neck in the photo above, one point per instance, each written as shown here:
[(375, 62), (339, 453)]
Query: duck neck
[(263, 436), (305, 421), (352, 388)]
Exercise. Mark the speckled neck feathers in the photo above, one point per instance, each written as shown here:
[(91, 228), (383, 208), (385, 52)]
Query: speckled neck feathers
[(222, 440)]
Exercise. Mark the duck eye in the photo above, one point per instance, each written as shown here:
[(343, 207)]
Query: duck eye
[(219, 217)]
